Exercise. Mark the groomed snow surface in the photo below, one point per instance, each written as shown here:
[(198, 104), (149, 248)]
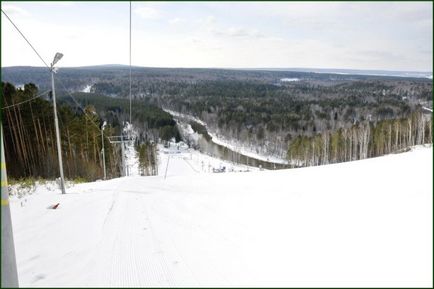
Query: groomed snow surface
[(358, 224)]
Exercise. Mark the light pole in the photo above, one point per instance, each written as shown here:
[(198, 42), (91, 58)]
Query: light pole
[(102, 151), (57, 57)]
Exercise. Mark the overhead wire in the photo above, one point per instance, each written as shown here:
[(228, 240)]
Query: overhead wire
[(130, 62), (50, 68), (40, 57), (78, 104), (10, 20), (27, 100)]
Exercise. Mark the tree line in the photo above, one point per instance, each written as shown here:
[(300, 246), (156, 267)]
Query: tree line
[(30, 140), (151, 123), (362, 140), (254, 107)]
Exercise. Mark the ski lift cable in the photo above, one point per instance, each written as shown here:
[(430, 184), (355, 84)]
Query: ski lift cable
[(79, 105), (10, 20), (69, 94), (40, 57), (27, 100), (130, 62)]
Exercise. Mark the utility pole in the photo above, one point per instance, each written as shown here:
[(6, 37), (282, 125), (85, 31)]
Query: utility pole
[(102, 150), (9, 275), (57, 57)]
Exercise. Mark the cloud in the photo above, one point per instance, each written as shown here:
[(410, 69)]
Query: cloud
[(425, 51), (175, 20), (395, 36), (376, 55), (237, 32), (68, 4), (208, 21), (55, 3), (146, 12), (13, 10)]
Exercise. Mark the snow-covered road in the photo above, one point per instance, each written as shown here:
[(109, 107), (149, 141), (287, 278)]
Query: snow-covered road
[(365, 223)]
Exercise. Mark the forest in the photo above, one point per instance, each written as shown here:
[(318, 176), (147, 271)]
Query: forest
[(363, 140), (151, 121), (30, 143), (267, 118), (265, 111)]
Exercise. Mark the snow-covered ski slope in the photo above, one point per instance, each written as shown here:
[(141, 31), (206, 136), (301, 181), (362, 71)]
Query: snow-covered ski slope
[(364, 223)]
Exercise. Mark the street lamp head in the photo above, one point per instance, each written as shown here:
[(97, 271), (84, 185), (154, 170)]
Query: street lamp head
[(103, 125), (57, 57)]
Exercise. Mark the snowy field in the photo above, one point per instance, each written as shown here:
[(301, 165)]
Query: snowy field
[(364, 223)]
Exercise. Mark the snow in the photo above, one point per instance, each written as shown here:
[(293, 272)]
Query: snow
[(187, 132), (87, 88), (131, 159), (427, 108), (185, 161), (233, 145), (131, 156), (186, 116), (244, 150), (289, 79), (357, 224)]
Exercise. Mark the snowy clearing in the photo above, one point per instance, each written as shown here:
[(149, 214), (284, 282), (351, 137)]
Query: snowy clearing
[(364, 223), (87, 88), (289, 79)]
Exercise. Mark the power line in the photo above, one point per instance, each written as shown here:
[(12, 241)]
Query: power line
[(46, 66), (69, 94), (50, 68), (78, 104), (19, 103), (25, 39), (28, 42)]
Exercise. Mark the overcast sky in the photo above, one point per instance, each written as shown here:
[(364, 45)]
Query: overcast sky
[(361, 35)]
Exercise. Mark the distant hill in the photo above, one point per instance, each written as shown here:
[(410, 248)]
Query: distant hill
[(77, 78), (416, 74)]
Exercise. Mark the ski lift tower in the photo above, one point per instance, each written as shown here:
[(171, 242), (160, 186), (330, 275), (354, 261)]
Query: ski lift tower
[(121, 139)]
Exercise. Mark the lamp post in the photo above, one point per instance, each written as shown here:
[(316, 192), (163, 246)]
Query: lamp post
[(102, 150), (57, 57)]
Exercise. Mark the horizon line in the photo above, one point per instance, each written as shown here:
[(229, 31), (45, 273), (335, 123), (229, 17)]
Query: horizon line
[(234, 68)]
